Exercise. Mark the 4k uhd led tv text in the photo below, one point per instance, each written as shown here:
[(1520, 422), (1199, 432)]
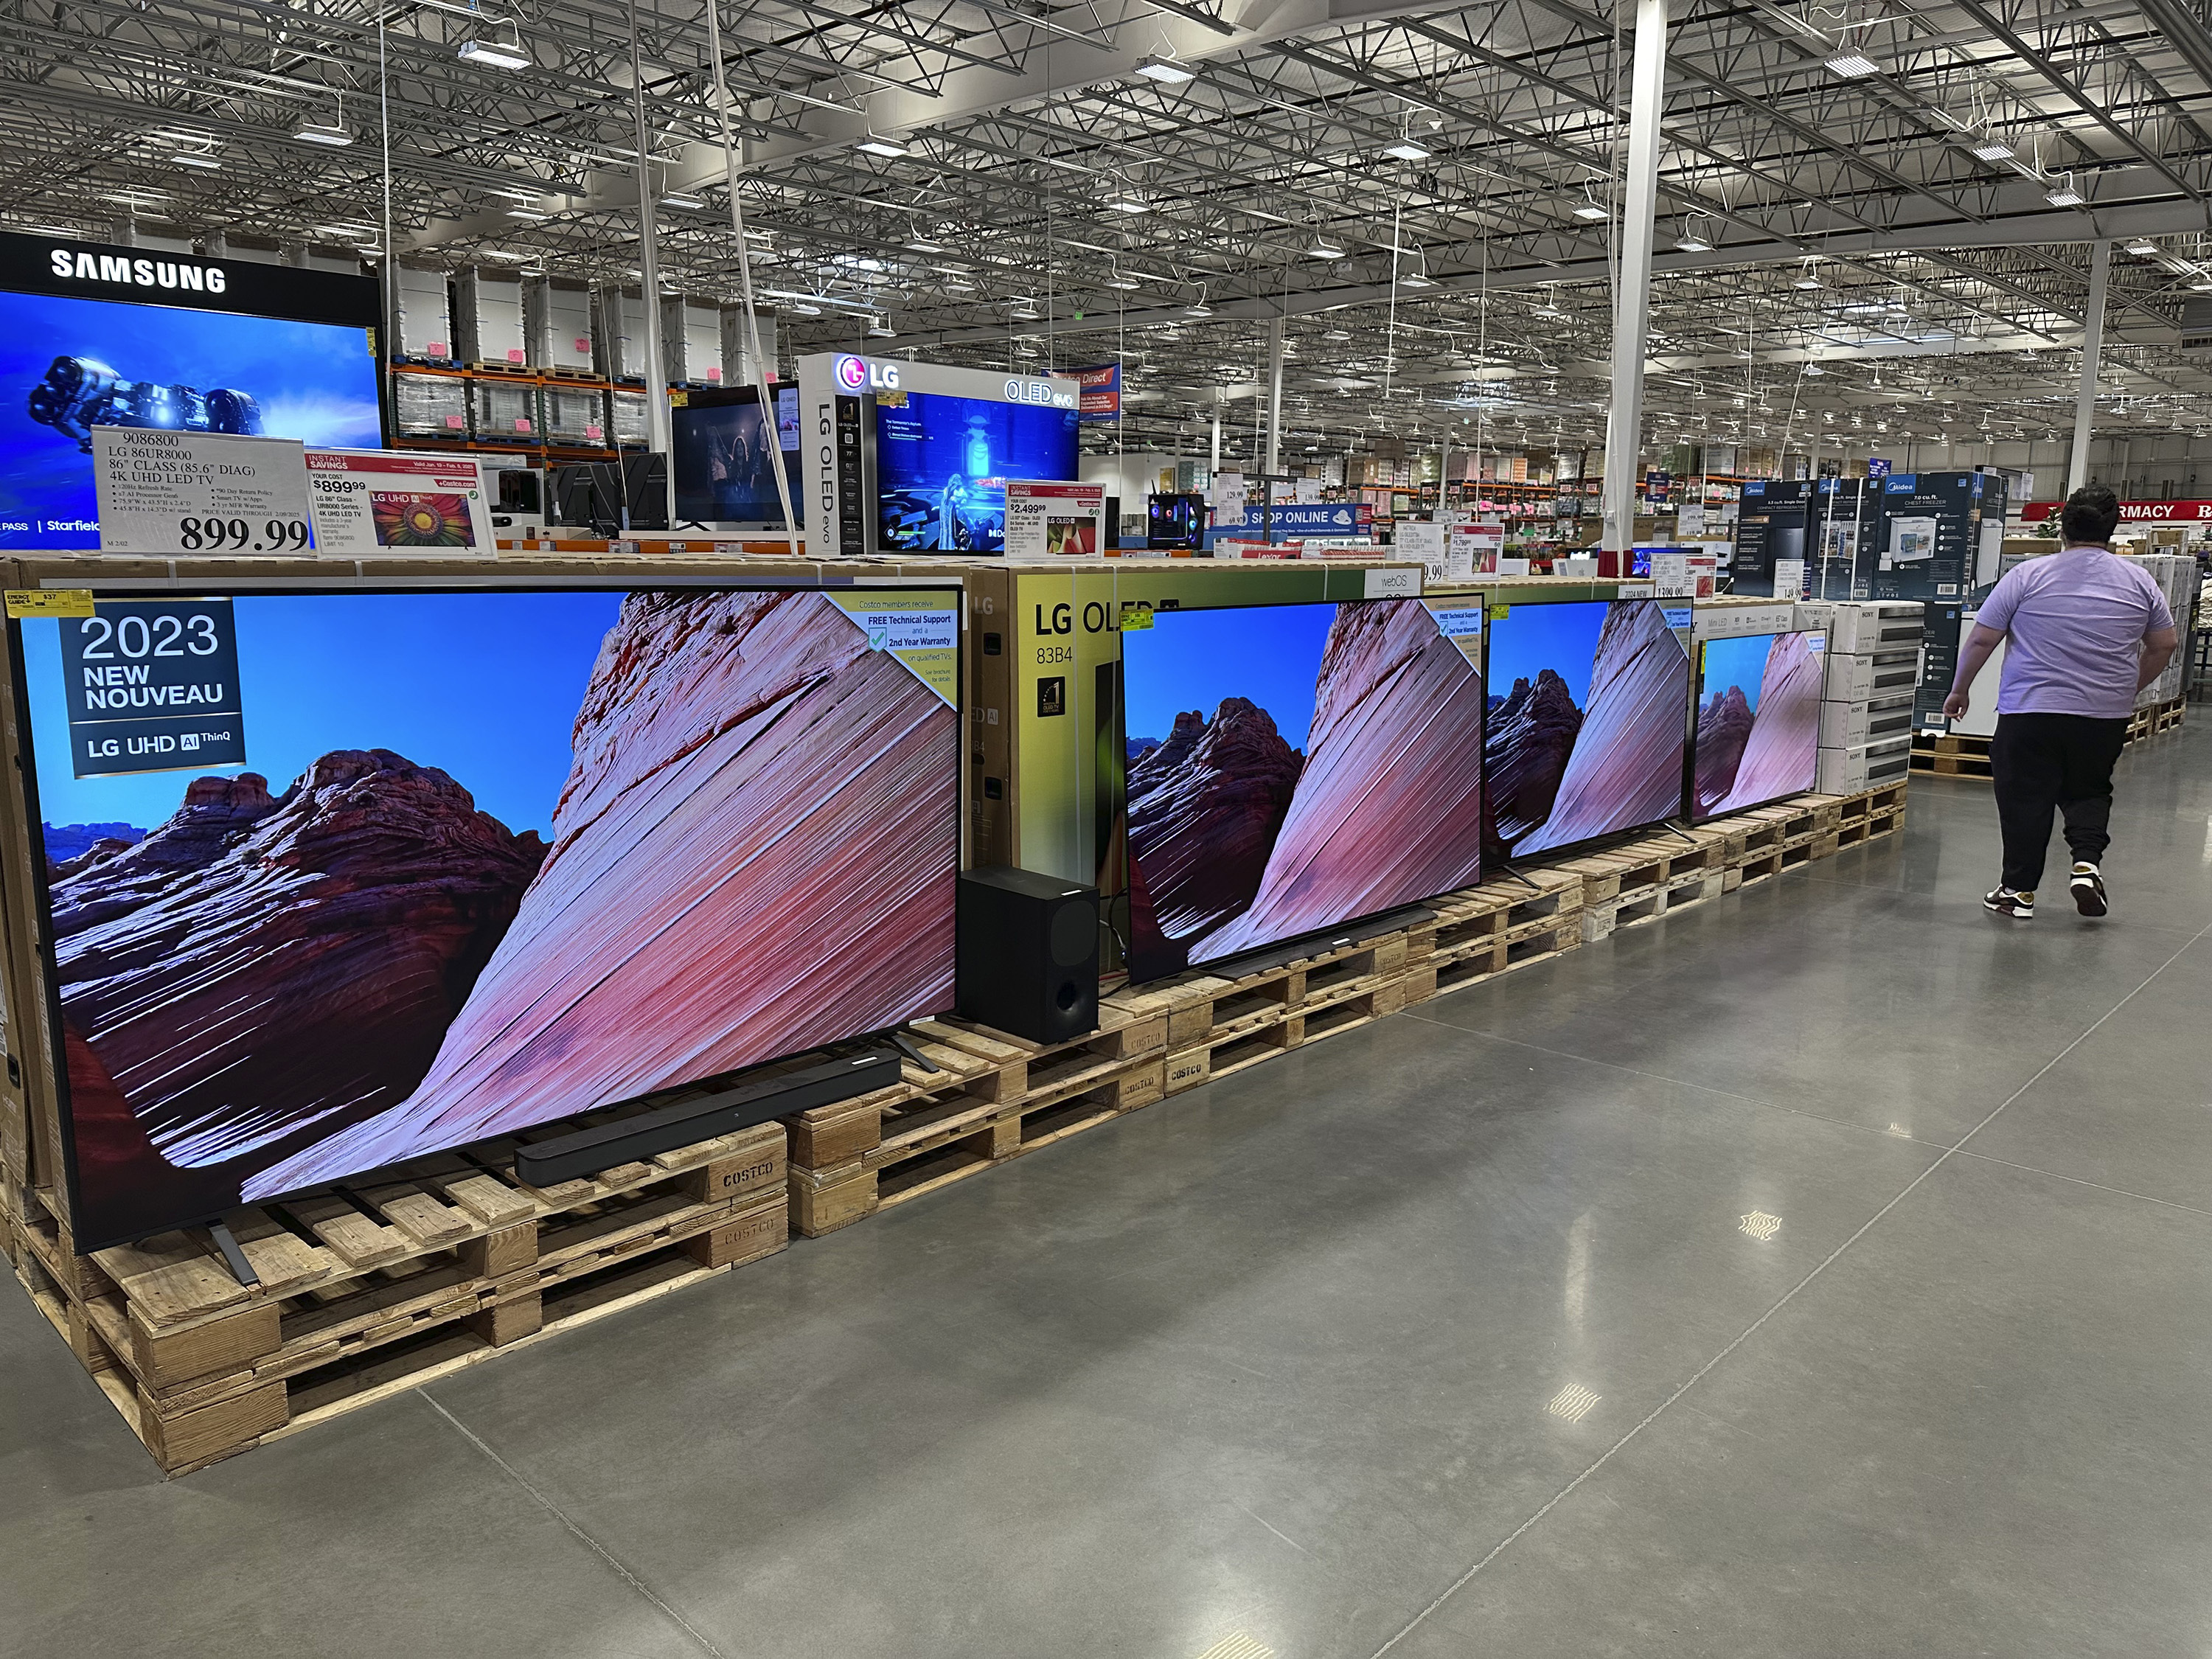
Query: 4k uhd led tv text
[(1588, 715), (1293, 768), (345, 878), (1758, 720)]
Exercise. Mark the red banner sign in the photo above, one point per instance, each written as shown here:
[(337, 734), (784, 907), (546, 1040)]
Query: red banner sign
[(2132, 512)]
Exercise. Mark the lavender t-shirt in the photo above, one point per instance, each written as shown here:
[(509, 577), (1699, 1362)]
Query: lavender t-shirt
[(2076, 621)]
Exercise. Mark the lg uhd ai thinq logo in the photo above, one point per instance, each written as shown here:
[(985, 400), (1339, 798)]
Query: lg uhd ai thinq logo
[(136, 273), (859, 375)]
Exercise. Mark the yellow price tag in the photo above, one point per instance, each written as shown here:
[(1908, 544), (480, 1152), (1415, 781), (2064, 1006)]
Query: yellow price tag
[(1500, 612), (1136, 615), (50, 602)]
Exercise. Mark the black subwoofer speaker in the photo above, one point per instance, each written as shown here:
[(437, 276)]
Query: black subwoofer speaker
[(1029, 953)]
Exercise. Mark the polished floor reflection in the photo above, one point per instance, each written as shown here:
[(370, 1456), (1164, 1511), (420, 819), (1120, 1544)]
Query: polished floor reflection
[(1823, 1271)]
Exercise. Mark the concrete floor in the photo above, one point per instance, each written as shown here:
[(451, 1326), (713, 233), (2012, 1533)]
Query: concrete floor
[(1285, 1364)]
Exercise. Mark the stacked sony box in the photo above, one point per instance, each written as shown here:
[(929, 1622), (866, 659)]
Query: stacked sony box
[(1873, 673)]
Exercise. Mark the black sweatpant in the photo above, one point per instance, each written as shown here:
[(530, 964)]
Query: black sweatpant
[(2043, 761)]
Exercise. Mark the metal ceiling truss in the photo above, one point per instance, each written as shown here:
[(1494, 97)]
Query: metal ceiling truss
[(1427, 192)]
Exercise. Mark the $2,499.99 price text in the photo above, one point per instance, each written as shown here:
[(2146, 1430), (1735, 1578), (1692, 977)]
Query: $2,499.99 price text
[(242, 535)]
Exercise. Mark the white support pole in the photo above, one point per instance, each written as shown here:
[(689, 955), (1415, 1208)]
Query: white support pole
[(2092, 349), (1631, 314), (1274, 397), (1213, 464), (660, 430)]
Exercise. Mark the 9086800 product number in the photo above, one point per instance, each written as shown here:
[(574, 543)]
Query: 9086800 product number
[(242, 535)]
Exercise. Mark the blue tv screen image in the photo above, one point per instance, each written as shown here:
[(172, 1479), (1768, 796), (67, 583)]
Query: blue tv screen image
[(68, 365), (942, 464)]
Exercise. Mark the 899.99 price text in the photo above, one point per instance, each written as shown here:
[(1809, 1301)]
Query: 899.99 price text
[(242, 535)]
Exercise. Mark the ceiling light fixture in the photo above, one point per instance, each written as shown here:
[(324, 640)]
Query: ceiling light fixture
[(502, 48), (2063, 194), (1417, 279), (532, 214), (1405, 150), (2143, 247), (1992, 149), (1591, 210), (333, 135), (195, 158), (1322, 248), (800, 308), (1202, 309), (923, 244), (1852, 65), (681, 200), (889, 149), (1126, 284), (1166, 72), (1127, 203), (1694, 244)]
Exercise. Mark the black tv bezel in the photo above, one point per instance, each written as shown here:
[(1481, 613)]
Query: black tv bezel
[(236, 588), (1603, 836), (741, 397), (1275, 947), (1696, 707)]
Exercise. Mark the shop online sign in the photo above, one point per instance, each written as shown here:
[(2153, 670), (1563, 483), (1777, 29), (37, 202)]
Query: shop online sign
[(2132, 512)]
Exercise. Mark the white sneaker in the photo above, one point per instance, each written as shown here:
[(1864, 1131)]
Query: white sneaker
[(2087, 884)]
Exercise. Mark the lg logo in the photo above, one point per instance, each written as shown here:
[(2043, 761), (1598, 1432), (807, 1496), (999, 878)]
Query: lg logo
[(859, 375)]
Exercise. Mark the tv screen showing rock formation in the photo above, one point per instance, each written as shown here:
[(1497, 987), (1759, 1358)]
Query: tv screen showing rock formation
[(1588, 715), (1293, 768), (1758, 720), (476, 860)]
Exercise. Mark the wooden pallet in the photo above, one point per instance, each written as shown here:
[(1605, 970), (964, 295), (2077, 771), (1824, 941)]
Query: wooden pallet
[(457, 1260), (1507, 922), (1219, 1025), (584, 379), (1639, 882), (2157, 719), (512, 371), (1951, 754), (995, 1097)]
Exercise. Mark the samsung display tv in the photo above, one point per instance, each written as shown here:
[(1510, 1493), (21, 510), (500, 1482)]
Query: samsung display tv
[(1295, 768), (725, 460), (93, 335), (942, 464), (1758, 720), (333, 880), (1588, 718)]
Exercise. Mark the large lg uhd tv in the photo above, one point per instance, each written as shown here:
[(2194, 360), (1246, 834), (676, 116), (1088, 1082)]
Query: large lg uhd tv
[(333, 880), (1293, 768), (1588, 715), (1758, 720), (942, 464), (93, 335)]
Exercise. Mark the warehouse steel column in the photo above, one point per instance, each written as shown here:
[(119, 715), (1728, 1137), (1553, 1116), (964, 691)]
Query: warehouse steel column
[(660, 430), (1631, 312), (2092, 349), (1274, 397)]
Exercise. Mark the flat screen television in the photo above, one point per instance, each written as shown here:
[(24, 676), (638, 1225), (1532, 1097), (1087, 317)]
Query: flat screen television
[(942, 464), (333, 880), (93, 335), (1758, 720), (1293, 768), (721, 450), (1590, 707)]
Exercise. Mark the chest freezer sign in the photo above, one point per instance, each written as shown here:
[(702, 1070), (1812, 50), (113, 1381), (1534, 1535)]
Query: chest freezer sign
[(923, 630), (152, 686)]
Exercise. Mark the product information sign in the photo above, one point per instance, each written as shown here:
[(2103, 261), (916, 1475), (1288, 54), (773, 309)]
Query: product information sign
[(1228, 499), (368, 502), (152, 686), (1415, 540), (199, 492), (1100, 399), (1671, 578), (1048, 519)]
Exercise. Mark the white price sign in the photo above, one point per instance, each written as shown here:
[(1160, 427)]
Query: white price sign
[(199, 492), (371, 502)]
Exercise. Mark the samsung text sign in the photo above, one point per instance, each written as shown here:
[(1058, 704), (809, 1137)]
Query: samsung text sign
[(81, 267)]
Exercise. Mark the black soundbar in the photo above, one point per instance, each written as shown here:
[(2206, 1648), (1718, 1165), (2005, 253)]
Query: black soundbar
[(548, 1162)]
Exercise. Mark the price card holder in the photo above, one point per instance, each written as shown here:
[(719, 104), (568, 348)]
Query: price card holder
[(168, 492)]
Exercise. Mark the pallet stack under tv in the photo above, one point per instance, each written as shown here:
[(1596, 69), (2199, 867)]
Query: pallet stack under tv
[(441, 1262)]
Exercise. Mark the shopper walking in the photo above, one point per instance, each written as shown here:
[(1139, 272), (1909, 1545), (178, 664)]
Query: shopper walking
[(2084, 632)]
